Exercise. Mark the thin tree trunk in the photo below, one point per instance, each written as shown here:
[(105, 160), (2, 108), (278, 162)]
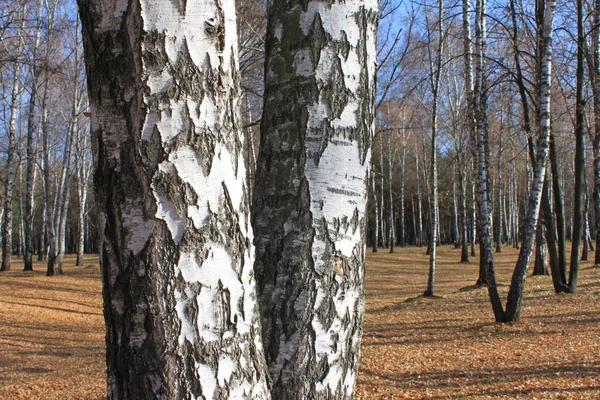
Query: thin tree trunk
[(578, 201), (51, 266), (382, 234), (436, 72), (595, 84), (11, 159), (481, 151), (391, 225), (540, 266), (455, 224), (419, 202), (401, 217), (31, 150), (375, 211), (515, 295), (464, 255)]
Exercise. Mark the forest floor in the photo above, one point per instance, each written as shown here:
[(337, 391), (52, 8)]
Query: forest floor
[(52, 333)]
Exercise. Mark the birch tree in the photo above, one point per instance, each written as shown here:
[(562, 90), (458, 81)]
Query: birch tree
[(435, 68), (594, 63), (309, 205), (515, 294), (11, 162), (31, 145), (179, 292)]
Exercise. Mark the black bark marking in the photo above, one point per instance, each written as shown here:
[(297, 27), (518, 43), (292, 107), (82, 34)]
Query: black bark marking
[(335, 92), (318, 39)]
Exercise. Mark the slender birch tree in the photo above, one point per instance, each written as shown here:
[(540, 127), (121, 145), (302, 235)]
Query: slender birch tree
[(594, 73), (31, 145), (179, 294), (12, 159), (310, 198), (435, 68), (515, 294)]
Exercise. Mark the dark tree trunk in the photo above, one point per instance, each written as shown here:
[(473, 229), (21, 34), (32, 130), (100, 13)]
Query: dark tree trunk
[(578, 188), (310, 194)]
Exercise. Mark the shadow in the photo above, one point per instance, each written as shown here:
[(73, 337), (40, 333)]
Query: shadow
[(458, 378), (51, 308), (471, 288)]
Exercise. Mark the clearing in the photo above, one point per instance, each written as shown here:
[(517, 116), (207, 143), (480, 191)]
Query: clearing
[(52, 333)]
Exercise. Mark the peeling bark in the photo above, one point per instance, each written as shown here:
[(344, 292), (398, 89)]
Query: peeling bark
[(179, 293), (310, 198)]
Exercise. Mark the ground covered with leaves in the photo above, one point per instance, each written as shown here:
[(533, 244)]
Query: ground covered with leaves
[(449, 346), (52, 333)]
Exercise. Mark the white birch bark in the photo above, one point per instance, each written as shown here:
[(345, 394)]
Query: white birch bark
[(401, 216), (309, 208), (595, 84), (49, 225), (391, 225), (31, 148), (179, 291), (435, 67), (515, 295), (11, 163), (419, 201)]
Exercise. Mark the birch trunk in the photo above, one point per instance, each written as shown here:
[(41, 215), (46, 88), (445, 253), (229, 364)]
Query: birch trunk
[(64, 193), (309, 208), (83, 168), (179, 294), (31, 150), (474, 221), (481, 155), (595, 84), (470, 111), (455, 224), (401, 217), (11, 160), (435, 62), (391, 225), (464, 237), (375, 211), (515, 295), (382, 233), (419, 202), (51, 268)]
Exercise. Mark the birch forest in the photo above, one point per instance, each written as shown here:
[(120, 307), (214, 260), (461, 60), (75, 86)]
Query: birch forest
[(242, 157)]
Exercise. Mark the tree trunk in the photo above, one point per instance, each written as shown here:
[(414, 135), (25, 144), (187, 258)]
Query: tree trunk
[(419, 202), (474, 224), (540, 266), (11, 159), (179, 294), (309, 207), (401, 216), (594, 73), (31, 150), (391, 224), (455, 224), (515, 295), (435, 62), (578, 188), (382, 234), (464, 254), (480, 140), (375, 213)]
